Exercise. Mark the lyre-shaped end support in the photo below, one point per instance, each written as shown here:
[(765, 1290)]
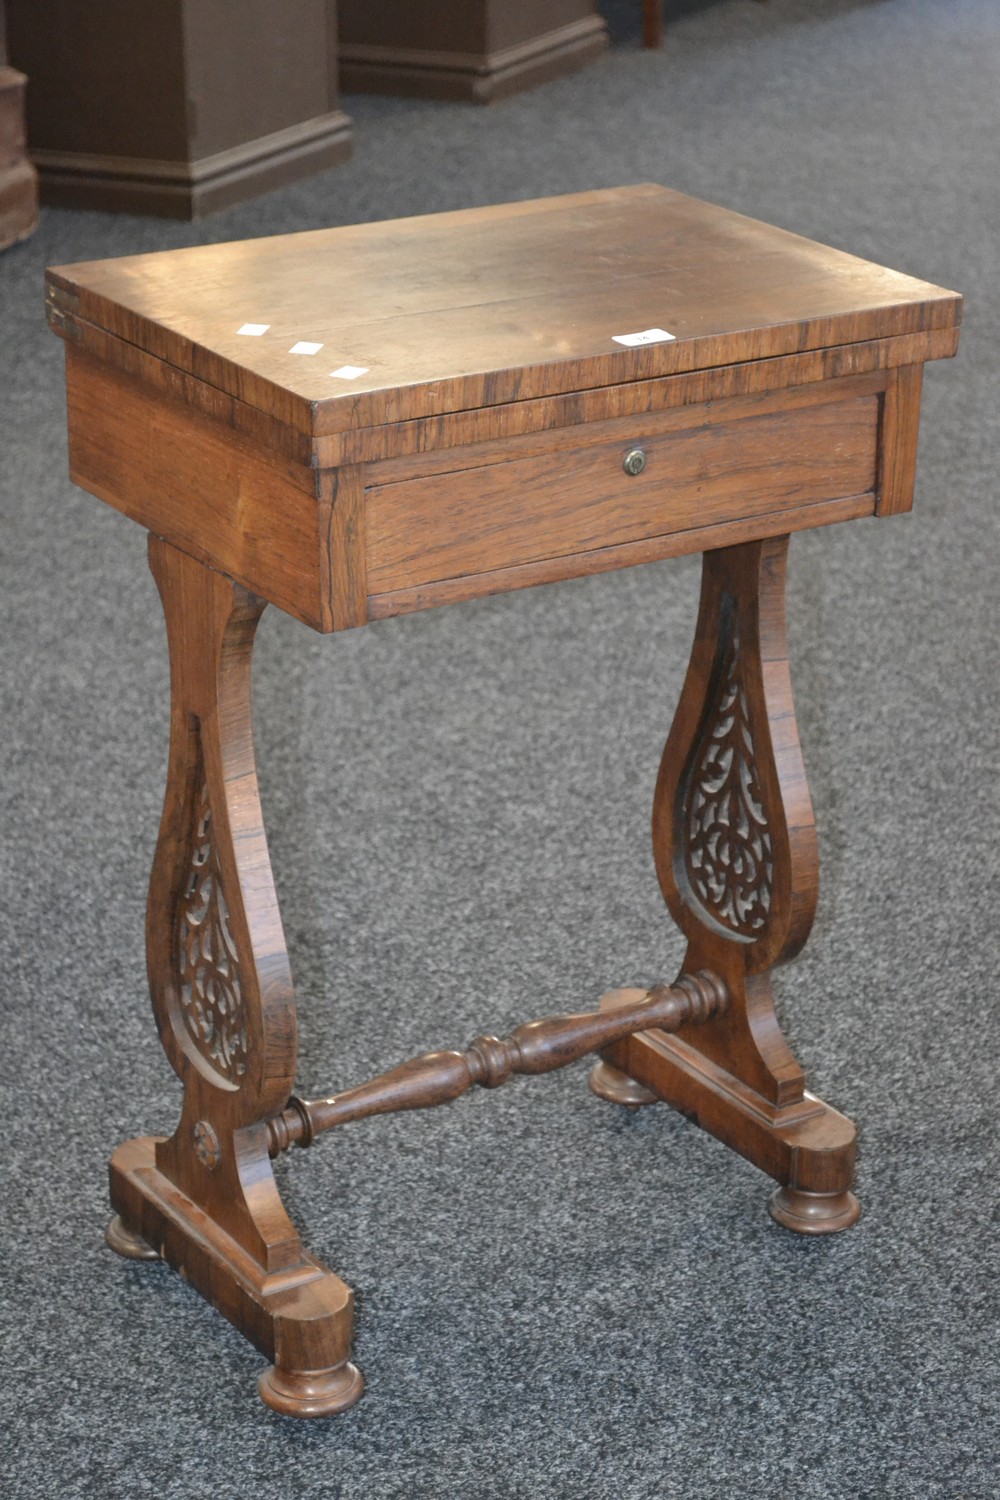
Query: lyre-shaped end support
[(222, 993), (735, 846), (734, 836)]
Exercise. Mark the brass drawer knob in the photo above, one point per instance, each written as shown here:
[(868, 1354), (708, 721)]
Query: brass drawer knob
[(635, 461)]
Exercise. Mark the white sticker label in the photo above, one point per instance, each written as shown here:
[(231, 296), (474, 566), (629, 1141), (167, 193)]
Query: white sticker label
[(304, 347), (648, 336), (349, 372), (253, 330)]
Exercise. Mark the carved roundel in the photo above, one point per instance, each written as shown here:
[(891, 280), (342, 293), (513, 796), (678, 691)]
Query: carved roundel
[(206, 1145), (728, 845)]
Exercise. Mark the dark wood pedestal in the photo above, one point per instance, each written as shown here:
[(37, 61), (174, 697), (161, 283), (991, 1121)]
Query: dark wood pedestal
[(18, 183), (480, 51), (177, 107)]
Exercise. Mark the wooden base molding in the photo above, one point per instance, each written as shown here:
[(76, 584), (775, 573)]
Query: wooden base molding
[(301, 1318), (18, 203), (806, 1146), (189, 190), (18, 181), (476, 78)]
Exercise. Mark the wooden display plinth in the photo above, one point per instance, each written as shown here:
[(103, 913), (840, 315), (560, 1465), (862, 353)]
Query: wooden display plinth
[(480, 51), (18, 182), (177, 107)]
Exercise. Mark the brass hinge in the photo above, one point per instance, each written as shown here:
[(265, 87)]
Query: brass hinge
[(60, 306)]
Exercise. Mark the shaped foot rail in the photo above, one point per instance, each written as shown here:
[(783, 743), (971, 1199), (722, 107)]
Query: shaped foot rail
[(536, 1047)]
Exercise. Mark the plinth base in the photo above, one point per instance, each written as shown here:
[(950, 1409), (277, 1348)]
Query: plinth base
[(301, 1317), (430, 72), (192, 189), (807, 1146)]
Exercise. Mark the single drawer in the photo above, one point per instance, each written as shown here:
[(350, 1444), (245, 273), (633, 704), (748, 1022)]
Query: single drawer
[(575, 500)]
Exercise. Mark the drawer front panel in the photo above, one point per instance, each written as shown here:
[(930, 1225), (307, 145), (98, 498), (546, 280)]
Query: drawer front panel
[(577, 500)]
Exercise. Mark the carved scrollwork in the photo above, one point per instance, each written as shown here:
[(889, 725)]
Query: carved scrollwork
[(728, 847), (208, 966)]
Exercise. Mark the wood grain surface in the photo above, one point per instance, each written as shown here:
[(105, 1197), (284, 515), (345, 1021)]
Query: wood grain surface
[(477, 444), (504, 514), (484, 306), (212, 493)]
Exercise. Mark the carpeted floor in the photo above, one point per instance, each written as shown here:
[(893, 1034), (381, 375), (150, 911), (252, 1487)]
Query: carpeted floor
[(555, 1299)]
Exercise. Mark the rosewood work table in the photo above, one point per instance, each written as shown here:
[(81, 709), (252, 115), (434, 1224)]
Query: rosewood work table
[(353, 423)]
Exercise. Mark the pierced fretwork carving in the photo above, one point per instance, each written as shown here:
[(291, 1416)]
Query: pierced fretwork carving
[(207, 962), (728, 848)]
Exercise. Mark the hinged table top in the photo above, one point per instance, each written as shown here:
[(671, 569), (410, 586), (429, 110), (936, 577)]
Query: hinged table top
[(352, 327)]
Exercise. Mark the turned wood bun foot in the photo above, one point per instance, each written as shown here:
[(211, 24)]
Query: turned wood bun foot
[(123, 1242), (617, 1087), (311, 1393), (813, 1213)]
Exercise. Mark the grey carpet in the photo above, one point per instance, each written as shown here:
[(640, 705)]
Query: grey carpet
[(555, 1299)]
